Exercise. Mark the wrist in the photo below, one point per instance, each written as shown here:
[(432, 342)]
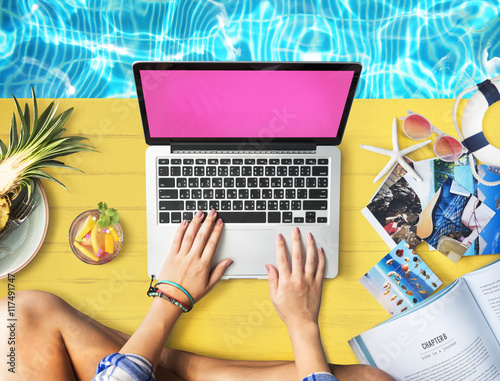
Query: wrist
[(175, 293)]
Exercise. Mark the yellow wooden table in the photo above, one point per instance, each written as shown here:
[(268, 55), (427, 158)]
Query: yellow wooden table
[(236, 320)]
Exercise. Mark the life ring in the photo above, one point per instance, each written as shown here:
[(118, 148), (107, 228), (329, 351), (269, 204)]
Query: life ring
[(472, 123)]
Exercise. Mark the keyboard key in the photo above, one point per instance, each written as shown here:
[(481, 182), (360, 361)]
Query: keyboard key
[(270, 171), (187, 171), (267, 193), (205, 182), (213, 205), (255, 194), (193, 182), (299, 182), (225, 205), (290, 194), (176, 161), (188, 161), (320, 171), (323, 161), (163, 171), (196, 194), (276, 182), (279, 193), (264, 182), (208, 193), (314, 205), (246, 171), (213, 161), (286, 161), (287, 182), (322, 220), (241, 182), (305, 171), (323, 182), (184, 193), (252, 182), (274, 161), (274, 217), (260, 205), (311, 161), (171, 205), (217, 182), (190, 205), (311, 182), (176, 218), (242, 217), (237, 161), (232, 193), (228, 182), (223, 171), (272, 205), (296, 205), (249, 205), (164, 218), (293, 171), (301, 193), (318, 193), (166, 182), (310, 217), (281, 171), (287, 217), (202, 205), (234, 171), (199, 171), (225, 161), (298, 220), (242, 193), (181, 182), (284, 205), (211, 171), (249, 161), (220, 194), (237, 205), (175, 171), (298, 161), (169, 194), (261, 161), (187, 216), (258, 171), (201, 161), (163, 161)]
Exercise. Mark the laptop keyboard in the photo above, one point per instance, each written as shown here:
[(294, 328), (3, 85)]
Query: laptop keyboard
[(244, 190)]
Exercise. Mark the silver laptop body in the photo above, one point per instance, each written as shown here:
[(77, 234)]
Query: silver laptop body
[(254, 140)]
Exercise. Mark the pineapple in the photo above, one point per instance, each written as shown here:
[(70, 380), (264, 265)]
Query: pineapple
[(4, 212), (36, 146)]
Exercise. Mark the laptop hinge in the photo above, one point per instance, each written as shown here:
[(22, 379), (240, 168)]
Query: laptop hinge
[(245, 147)]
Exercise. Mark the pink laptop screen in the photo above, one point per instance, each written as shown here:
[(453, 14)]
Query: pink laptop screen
[(243, 104)]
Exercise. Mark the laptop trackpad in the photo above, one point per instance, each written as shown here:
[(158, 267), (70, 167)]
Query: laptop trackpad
[(249, 249)]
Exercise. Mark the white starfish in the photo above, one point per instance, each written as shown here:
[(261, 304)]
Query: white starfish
[(397, 155)]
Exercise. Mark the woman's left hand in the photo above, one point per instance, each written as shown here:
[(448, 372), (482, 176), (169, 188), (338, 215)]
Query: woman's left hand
[(189, 261)]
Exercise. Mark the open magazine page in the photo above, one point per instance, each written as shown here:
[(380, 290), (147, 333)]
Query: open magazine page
[(447, 339), (485, 286)]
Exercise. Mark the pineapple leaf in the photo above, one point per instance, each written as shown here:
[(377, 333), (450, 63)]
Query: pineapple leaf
[(35, 106), (38, 173), (54, 164), (24, 134), (13, 135), (40, 122), (3, 149)]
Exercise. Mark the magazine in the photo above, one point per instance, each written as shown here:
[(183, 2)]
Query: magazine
[(452, 335)]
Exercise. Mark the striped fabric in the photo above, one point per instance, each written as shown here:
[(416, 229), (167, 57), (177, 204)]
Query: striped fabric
[(124, 367), (321, 376)]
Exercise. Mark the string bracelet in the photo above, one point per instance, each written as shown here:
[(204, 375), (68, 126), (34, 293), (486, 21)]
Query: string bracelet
[(155, 292), (178, 286)]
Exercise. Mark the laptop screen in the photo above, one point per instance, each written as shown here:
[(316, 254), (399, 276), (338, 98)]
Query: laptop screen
[(215, 101)]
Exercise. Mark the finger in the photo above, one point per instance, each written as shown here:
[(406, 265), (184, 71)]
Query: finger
[(281, 257), (272, 279), (213, 240), (179, 233), (320, 270), (310, 267), (297, 256), (190, 233), (203, 233), (217, 273)]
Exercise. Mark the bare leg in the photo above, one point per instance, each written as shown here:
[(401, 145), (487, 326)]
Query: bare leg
[(55, 341)]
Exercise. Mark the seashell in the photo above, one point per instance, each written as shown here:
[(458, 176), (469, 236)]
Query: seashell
[(403, 287), (416, 265), (399, 252), (397, 281), (427, 276), (412, 279), (407, 259), (389, 262), (393, 297), (399, 302), (415, 259), (422, 271), (415, 300), (405, 267), (423, 291), (404, 309), (391, 273), (387, 284), (418, 285), (409, 292), (434, 284), (407, 274), (387, 291)]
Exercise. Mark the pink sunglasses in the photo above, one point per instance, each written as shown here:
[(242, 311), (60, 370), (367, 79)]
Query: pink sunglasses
[(417, 127)]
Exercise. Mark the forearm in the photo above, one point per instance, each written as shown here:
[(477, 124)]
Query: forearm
[(307, 349), (150, 338)]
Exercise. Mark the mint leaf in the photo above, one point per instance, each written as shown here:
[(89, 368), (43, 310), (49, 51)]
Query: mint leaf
[(114, 219), (111, 212), (107, 217), (102, 206)]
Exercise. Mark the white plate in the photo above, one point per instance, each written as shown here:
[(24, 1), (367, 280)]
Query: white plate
[(18, 246)]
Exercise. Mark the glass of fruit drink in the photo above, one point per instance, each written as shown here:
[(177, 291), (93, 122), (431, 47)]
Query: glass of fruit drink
[(96, 236)]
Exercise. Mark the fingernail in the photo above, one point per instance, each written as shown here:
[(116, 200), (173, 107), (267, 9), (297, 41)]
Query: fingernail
[(280, 237), (212, 212), (309, 236), (267, 267), (296, 230), (229, 263), (321, 250), (199, 214), (219, 222), (184, 222)]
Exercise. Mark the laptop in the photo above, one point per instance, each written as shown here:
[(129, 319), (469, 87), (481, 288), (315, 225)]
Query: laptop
[(257, 141)]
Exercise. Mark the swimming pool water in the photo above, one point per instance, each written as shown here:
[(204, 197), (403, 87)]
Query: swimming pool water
[(408, 48)]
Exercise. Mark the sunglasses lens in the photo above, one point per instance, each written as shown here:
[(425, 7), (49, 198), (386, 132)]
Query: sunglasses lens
[(416, 127), (448, 148)]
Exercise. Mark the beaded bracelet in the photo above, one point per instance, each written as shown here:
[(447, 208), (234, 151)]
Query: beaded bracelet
[(177, 286), (153, 291)]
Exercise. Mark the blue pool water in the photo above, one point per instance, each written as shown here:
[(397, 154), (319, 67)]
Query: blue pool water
[(409, 48)]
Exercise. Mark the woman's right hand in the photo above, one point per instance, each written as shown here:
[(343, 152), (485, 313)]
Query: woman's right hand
[(296, 290)]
